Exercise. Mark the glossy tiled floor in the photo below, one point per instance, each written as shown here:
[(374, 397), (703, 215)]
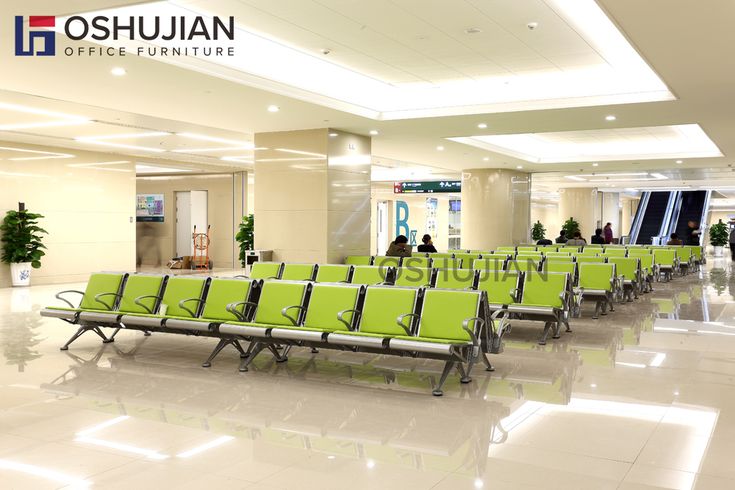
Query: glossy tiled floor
[(641, 399)]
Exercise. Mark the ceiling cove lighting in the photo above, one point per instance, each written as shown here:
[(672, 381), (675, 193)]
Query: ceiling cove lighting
[(105, 140), (599, 145), (141, 168), (238, 159), (300, 152), (615, 74), (58, 118), (39, 155), (245, 145)]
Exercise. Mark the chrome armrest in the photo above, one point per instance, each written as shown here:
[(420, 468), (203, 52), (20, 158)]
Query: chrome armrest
[(137, 301), (341, 317), (478, 323), (232, 308), (58, 296), (98, 296), (400, 323), (285, 310), (183, 302)]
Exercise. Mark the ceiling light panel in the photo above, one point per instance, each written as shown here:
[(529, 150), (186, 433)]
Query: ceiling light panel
[(578, 58), (655, 142), (14, 153), (14, 117)]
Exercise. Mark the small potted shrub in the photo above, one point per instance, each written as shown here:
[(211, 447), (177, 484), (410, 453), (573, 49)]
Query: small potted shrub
[(718, 237), (245, 236), (570, 226), (22, 247), (538, 232)]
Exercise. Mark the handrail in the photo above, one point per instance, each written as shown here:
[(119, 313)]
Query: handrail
[(638, 219)]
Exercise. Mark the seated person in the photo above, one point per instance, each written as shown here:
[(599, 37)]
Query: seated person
[(598, 238), (399, 247), (427, 245), (577, 240), (562, 238), (674, 240), (544, 241)]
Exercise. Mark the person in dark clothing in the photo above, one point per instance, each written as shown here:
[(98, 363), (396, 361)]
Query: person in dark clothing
[(674, 240), (692, 236), (608, 232), (732, 243), (399, 247), (562, 238), (544, 241), (597, 238), (426, 245)]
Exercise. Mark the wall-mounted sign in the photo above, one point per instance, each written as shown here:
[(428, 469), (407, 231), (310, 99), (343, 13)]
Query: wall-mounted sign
[(427, 187), (149, 207)]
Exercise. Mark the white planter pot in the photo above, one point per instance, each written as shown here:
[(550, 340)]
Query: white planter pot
[(718, 251), (20, 274)]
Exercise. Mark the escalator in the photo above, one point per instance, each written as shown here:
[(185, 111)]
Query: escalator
[(651, 218), (692, 208)]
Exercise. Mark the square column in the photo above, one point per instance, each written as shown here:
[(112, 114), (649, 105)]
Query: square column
[(312, 195)]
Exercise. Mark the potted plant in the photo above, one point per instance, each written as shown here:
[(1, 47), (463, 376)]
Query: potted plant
[(718, 237), (245, 236), (570, 226), (538, 232), (21, 244)]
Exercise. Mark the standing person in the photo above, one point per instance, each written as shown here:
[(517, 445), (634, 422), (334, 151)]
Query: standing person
[(732, 242), (608, 233), (597, 238), (426, 245), (562, 238), (399, 247), (577, 240), (692, 236)]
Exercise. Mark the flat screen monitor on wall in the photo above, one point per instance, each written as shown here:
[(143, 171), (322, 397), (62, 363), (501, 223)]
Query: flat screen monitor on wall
[(149, 208)]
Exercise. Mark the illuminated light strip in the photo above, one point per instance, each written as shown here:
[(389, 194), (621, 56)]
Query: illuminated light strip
[(241, 159), (630, 364), (121, 145), (148, 453), (40, 112), (246, 145), (46, 473), (289, 159), (204, 447), (95, 164), (148, 134), (202, 150), (49, 124), (299, 152), (49, 154)]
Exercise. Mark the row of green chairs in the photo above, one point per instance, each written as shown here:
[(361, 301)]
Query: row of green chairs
[(275, 315)]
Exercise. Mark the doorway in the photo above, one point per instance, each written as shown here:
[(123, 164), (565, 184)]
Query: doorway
[(191, 211)]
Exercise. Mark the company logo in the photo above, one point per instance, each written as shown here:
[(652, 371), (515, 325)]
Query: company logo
[(48, 38)]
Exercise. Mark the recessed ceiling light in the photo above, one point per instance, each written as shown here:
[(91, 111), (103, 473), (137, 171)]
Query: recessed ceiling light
[(333, 135), (440, 148), (595, 164), (482, 125), (245, 145), (679, 161), (486, 159), (118, 71), (610, 118), (472, 30), (273, 108), (519, 167), (374, 132)]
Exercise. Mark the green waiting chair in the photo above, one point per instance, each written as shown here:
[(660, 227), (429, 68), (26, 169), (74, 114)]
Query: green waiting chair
[(597, 282), (414, 277), (560, 258), (629, 274), (384, 261), (417, 262), (370, 275), (570, 249), (544, 297), (523, 265), (562, 267), (525, 248), (359, 260), (467, 259), (266, 270), (502, 287), (685, 259), (454, 278), (446, 263), (505, 250), (615, 252), (647, 271), (590, 259), (489, 262), (298, 272), (333, 273), (665, 263), (183, 298)]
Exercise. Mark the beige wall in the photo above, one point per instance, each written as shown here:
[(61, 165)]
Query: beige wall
[(611, 212), (156, 242), (583, 205), (630, 206), (89, 211), (548, 215), (312, 201)]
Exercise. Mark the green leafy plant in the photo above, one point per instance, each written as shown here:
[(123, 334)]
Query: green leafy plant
[(21, 239), (570, 226), (538, 231), (245, 236), (718, 235)]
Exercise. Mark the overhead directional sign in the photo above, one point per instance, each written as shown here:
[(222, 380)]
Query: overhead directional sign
[(427, 187)]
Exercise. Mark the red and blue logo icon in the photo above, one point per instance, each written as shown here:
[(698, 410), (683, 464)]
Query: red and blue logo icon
[(36, 38)]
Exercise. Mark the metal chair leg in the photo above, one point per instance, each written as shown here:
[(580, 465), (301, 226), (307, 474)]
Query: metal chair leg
[(486, 362), (437, 391), (253, 354), (218, 348), (74, 337), (464, 374)]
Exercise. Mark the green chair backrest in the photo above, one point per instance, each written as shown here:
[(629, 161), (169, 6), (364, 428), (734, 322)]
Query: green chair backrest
[(266, 270), (277, 295), (571, 249), (523, 265), (664, 256), (587, 251), (626, 267), (591, 259), (456, 251), (384, 261), (646, 262), (439, 255), (415, 261), (325, 303), (370, 274), (526, 248), (544, 289), (696, 251), (501, 287), (567, 267), (298, 272), (333, 273), (490, 263), (537, 256), (443, 312), (557, 254), (614, 252), (454, 279), (383, 306), (180, 288), (548, 248), (358, 260), (415, 277), (683, 254), (509, 250), (221, 293), (596, 276), (101, 283), (560, 258), (446, 263), (467, 259), (140, 285)]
